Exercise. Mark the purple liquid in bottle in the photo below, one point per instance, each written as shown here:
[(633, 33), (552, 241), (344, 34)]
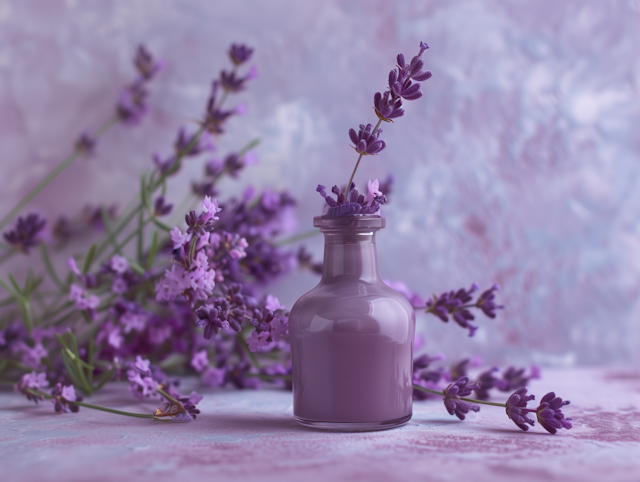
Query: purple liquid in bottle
[(352, 337)]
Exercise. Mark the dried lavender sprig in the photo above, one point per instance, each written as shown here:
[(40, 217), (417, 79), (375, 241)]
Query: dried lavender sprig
[(549, 412), (46, 396), (52, 175), (388, 105)]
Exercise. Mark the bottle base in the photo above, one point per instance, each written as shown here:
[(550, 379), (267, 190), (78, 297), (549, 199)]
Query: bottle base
[(354, 426)]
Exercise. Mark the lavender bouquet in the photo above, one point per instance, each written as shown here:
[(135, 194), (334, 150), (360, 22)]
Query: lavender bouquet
[(150, 301)]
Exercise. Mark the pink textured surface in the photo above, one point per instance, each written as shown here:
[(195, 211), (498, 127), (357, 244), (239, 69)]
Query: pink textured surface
[(252, 436)]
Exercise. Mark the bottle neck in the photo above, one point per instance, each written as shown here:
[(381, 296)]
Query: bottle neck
[(350, 255)]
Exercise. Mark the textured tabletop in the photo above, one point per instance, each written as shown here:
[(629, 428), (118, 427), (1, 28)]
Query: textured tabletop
[(251, 435)]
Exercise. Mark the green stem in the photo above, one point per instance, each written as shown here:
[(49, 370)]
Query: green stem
[(38, 393), (346, 190), (50, 177), (472, 400), (295, 238)]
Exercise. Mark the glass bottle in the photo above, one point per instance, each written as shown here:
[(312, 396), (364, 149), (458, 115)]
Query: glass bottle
[(351, 337)]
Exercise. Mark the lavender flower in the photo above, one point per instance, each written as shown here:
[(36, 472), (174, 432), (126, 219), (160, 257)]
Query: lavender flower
[(513, 378), (457, 304), (517, 408), (200, 361), (161, 208), (240, 53), (213, 318), (387, 107), (486, 302), (183, 141), (452, 394), (142, 382), (85, 144), (198, 225), (305, 261), (131, 107), (549, 413), (367, 142), (486, 380), (354, 203), (215, 117), (26, 233), (63, 398), (32, 381), (146, 64)]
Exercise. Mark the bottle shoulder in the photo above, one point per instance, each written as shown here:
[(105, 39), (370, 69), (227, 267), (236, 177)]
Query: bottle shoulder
[(355, 306)]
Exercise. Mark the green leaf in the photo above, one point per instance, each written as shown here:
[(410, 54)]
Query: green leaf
[(16, 296), (140, 231), (15, 284), (161, 225), (49, 266), (135, 266), (107, 227), (145, 195), (248, 147), (70, 369), (89, 259), (153, 250)]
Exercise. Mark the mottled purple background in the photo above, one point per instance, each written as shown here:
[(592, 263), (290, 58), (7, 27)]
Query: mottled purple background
[(520, 165)]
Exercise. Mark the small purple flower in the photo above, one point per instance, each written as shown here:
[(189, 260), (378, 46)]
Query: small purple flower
[(26, 233), (549, 413), (387, 107), (239, 53), (486, 380), (200, 361), (517, 408), (178, 238), (231, 82), (131, 107), (454, 303), (85, 144), (210, 208), (240, 376), (366, 142), (33, 381), (214, 377), (63, 398), (487, 304), (198, 225), (272, 303), (212, 318), (349, 205), (305, 261), (146, 64), (452, 394), (183, 141), (214, 116), (160, 207), (513, 378), (119, 264)]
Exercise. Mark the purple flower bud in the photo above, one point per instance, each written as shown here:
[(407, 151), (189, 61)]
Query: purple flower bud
[(160, 207), (549, 413), (366, 142), (131, 107), (146, 64), (27, 233), (452, 394), (517, 408), (239, 53)]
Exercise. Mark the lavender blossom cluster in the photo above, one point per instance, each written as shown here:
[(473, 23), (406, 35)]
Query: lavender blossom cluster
[(153, 298)]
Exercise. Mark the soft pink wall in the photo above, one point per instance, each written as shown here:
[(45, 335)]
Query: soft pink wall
[(519, 165)]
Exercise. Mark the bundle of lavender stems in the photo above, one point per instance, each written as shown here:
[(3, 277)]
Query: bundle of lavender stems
[(149, 302)]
